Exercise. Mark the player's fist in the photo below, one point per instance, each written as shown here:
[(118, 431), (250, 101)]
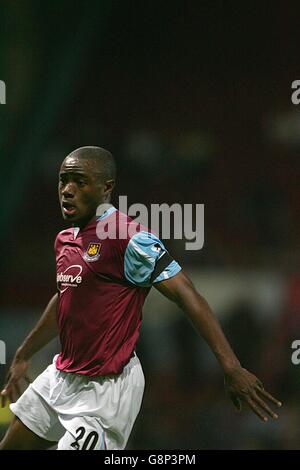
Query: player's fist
[(17, 371)]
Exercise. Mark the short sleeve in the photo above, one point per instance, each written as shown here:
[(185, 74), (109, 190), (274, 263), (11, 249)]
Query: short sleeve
[(147, 261)]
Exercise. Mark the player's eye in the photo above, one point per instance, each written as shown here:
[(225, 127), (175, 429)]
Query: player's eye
[(81, 183)]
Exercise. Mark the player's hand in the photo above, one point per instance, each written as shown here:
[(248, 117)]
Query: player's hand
[(244, 388), (17, 371)]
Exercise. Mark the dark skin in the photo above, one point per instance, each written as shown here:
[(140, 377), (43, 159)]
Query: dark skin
[(81, 189), (242, 386)]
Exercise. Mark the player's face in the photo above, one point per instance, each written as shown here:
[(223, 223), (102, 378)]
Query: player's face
[(80, 191)]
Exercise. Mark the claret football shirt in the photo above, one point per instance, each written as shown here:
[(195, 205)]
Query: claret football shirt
[(103, 283)]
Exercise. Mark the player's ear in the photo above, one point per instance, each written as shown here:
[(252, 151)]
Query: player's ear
[(109, 186)]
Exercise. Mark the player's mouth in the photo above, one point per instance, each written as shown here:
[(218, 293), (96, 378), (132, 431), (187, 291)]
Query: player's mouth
[(69, 208)]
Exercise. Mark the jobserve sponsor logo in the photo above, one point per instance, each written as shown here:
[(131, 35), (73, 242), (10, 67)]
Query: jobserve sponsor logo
[(70, 277)]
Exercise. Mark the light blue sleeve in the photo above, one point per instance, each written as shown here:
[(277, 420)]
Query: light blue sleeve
[(143, 251)]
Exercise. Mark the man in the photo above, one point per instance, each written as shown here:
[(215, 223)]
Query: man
[(91, 395)]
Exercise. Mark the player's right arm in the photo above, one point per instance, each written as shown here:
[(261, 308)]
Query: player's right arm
[(43, 332)]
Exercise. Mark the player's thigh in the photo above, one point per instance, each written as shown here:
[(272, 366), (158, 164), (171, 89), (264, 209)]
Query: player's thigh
[(83, 433), (19, 437)]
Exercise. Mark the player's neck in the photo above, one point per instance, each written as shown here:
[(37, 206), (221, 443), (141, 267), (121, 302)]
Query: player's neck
[(101, 209)]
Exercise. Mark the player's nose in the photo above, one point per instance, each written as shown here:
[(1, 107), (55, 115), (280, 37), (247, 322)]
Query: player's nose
[(68, 191)]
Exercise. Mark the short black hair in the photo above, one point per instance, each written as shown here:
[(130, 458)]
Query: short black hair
[(103, 159)]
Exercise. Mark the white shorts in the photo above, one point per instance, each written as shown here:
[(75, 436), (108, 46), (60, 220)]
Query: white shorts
[(81, 412)]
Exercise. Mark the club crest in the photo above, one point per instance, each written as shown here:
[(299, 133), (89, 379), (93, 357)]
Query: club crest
[(93, 252)]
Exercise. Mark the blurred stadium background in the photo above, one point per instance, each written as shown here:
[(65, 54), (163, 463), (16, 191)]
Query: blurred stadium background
[(194, 101)]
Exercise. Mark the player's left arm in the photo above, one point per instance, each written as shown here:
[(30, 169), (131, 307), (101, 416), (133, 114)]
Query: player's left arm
[(241, 385)]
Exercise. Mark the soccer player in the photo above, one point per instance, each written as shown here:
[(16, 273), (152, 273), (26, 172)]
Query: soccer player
[(91, 394)]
